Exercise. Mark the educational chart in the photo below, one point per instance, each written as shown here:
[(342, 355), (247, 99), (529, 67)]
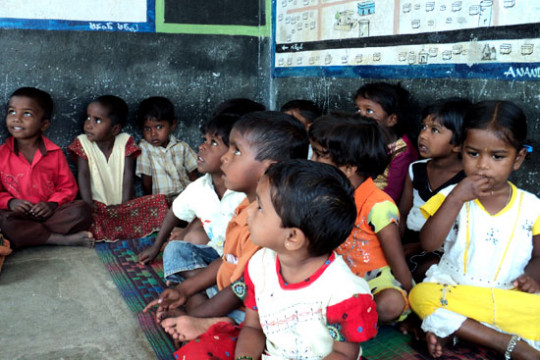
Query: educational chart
[(447, 38), (93, 15)]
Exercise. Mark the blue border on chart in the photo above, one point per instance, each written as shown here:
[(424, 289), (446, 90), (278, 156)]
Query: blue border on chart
[(148, 26), (496, 71)]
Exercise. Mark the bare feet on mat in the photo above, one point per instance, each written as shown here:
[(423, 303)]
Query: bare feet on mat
[(411, 325), (166, 314), (185, 328), (436, 344), (81, 238)]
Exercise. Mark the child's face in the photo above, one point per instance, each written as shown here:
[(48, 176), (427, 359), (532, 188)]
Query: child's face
[(485, 154), (24, 118), (210, 152), (434, 139), (374, 110), (157, 132), (263, 221), (98, 126), (240, 169)]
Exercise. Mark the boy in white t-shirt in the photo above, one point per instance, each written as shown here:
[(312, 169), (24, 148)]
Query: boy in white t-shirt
[(203, 209)]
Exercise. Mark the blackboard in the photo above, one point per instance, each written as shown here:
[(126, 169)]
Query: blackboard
[(214, 12)]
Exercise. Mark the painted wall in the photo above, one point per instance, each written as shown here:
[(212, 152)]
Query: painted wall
[(195, 71)]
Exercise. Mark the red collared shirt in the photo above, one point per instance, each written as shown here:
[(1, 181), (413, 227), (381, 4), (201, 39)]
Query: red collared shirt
[(48, 178)]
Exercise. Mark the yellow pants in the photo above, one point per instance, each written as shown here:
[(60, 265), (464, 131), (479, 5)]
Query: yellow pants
[(512, 311)]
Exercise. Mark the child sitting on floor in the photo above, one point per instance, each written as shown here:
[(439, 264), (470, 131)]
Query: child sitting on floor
[(485, 287), (106, 162), (166, 165), (440, 143), (205, 202), (302, 301), (388, 104), (373, 250), (257, 140), (37, 188)]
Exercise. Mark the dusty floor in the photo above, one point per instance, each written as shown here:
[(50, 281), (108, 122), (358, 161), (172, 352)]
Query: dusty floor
[(60, 303)]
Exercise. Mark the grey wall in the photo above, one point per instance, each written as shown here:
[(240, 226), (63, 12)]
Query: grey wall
[(195, 71), (338, 93)]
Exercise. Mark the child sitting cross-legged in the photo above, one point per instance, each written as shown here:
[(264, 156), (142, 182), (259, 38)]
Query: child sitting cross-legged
[(106, 163), (257, 140), (439, 143), (37, 188), (302, 300), (203, 210), (166, 164), (485, 289), (373, 250)]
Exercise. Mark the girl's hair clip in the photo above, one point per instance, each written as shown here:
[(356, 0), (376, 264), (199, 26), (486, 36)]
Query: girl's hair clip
[(529, 148)]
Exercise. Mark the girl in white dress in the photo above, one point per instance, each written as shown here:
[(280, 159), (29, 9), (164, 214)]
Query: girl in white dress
[(486, 286)]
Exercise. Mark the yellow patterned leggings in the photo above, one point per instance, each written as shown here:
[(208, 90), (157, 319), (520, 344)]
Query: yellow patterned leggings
[(512, 311)]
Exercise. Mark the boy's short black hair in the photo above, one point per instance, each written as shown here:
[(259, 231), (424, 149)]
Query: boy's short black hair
[(449, 113), (42, 98), (308, 109), (220, 125), (393, 98), (275, 135), (156, 107), (317, 198), (353, 139), (117, 109), (238, 106)]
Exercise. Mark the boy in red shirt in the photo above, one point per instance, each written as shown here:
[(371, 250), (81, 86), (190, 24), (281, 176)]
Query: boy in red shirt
[(37, 187)]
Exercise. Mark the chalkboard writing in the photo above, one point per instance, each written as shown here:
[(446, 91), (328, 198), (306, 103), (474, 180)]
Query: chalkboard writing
[(214, 12)]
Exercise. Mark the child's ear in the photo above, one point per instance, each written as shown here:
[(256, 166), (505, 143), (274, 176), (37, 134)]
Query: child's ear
[(45, 124), (116, 129), (391, 120), (296, 239), (348, 170), (173, 125), (520, 157), (456, 148)]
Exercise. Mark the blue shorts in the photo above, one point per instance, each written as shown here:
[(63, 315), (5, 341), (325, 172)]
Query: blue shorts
[(180, 256)]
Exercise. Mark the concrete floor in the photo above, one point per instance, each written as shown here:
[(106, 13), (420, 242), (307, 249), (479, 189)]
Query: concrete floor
[(60, 303)]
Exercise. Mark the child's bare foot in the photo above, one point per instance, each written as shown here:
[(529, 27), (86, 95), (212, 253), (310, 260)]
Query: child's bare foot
[(436, 344), (166, 314), (185, 328), (411, 325), (81, 238)]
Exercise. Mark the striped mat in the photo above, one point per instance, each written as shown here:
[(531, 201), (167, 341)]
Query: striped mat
[(140, 284)]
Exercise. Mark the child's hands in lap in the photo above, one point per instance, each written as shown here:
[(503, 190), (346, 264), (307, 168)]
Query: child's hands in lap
[(20, 206), (43, 210), (527, 284)]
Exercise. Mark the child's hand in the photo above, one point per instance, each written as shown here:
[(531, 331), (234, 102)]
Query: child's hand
[(20, 206), (472, 187), (147, 255), (43, 210), (527, 284), (169, 299)]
